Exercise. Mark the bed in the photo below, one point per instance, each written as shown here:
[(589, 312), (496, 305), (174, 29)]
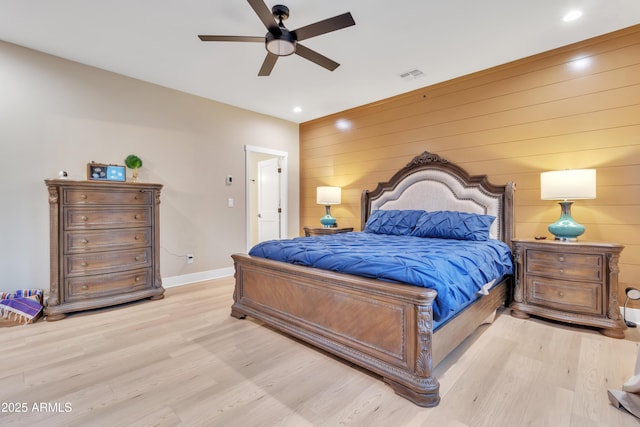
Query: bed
[(382, 325)]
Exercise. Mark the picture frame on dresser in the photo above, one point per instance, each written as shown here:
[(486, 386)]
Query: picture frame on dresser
[(573, 282), (104, 244)]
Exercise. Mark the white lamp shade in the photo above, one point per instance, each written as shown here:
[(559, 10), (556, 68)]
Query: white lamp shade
[(328, 195), (568, 184)]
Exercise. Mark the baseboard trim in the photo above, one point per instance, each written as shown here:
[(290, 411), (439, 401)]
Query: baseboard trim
[(186, 279)]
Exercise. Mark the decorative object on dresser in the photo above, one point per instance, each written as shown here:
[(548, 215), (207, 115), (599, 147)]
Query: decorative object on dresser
[(134, 163), (102, 172), (321, 231), (573, 282), (567, 185), (104, 244), (328, 196)]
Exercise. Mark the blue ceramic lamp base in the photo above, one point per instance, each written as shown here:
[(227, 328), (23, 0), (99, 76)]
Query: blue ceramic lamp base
[(565, 228), (328, 221)]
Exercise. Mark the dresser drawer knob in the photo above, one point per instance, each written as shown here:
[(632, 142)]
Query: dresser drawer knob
[(136, 237), (85, 241), (83, 196), (84, 218), (135, 197), (137, 216), (85, 287), (561, 259), (137, 278), (561, 271), (561, 293), (84, 264), (137, 258)]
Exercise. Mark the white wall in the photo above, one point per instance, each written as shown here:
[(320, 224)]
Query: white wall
[(59, 115)]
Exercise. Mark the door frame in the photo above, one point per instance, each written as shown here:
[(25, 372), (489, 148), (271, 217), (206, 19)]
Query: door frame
[(283, 155)]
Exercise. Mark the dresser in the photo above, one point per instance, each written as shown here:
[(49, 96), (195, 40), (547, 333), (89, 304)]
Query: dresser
[(573, 282), (104, 244), (322, 231)]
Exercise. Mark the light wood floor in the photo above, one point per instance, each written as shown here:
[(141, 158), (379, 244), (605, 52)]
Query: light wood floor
[(184, 361)]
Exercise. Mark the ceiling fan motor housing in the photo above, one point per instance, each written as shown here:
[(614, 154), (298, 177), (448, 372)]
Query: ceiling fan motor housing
[(283, 44)]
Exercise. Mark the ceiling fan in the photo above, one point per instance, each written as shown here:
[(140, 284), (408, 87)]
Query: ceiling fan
[(279, 41)]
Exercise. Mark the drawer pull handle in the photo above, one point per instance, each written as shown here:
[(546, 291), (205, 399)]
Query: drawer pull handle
[(137, 258), (83, 196), (84, 264), (137, 216), (85, 241), (561, 259), (561, 293), (135, 197), (137, 278), (136, 237), (84, 218), (85, 287), (561, 271)]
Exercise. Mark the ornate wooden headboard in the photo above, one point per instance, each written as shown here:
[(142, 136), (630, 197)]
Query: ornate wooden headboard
[(431, 183)]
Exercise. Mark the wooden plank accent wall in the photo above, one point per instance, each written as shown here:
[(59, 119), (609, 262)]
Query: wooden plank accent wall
[(574, 107)]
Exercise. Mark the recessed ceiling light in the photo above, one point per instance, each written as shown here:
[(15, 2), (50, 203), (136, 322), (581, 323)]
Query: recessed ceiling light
[(572, 15), (297, 110), (580, 63), (343, 124)]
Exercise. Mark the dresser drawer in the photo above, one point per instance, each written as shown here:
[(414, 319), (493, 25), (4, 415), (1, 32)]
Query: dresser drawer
[(102, 285), (562, 265), (106, 197), (578, 297), (107, 262), (80, 218), (105, 240)]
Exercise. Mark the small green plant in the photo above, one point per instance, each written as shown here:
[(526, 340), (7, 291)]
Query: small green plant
[(133, 162)]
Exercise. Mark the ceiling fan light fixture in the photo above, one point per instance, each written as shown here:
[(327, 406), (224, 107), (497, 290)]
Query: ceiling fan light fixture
[(282, 45)]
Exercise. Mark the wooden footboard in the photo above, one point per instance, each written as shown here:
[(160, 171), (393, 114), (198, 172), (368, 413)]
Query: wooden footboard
[(384, 327)]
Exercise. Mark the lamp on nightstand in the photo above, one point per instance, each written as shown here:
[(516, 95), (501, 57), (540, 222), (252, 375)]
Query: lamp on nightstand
[(328, 196), (567, 185)]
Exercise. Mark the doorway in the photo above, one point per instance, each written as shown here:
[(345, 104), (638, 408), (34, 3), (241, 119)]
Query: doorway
[(266, 192)]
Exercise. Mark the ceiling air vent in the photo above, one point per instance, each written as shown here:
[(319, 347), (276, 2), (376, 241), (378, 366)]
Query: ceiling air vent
[(411, 75)]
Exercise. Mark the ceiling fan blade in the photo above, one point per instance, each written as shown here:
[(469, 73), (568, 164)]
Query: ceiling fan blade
[(265, 15), (268, 64), (314, 56), (205, 38), (325, 26)]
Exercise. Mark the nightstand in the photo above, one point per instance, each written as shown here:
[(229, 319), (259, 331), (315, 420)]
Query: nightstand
[(322, 231), (573, 282)]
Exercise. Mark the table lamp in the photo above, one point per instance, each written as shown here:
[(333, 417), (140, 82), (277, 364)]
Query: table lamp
[(567, 185), (328, 196)]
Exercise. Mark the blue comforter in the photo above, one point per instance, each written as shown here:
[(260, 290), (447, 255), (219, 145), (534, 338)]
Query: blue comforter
[(456, 269)]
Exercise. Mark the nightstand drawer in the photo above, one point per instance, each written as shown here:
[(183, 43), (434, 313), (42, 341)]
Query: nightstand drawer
[(565, 265), (579, 297)]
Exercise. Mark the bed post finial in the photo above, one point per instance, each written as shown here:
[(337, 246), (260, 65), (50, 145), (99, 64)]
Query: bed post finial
[(426, 157)]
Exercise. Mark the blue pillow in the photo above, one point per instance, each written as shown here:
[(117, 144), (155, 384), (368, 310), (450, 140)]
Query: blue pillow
[(453, 225), (398, 222)]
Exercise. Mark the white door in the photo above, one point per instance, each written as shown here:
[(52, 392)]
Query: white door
[(269, 199)]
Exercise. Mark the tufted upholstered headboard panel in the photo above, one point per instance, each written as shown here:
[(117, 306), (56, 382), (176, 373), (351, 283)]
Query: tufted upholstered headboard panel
[(431, 183)]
